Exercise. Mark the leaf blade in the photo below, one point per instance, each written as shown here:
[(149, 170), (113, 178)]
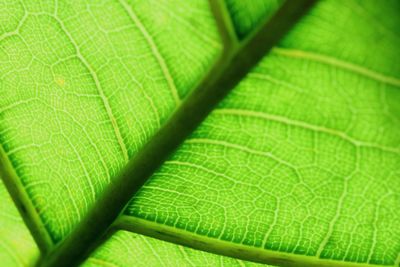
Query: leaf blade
[(140, 250), (228, 71), (17, 248), (293, 146), (71, 117)]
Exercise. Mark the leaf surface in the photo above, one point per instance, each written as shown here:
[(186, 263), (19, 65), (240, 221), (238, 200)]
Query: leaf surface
[(303, 157), (299, 165), (84, 85), (247, 15), (138, 250), (17, 248)]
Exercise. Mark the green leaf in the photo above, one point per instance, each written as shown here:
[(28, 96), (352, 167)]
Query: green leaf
[(17, 248), (302, 157), (247, 15), (85, 85), (299, 165), (137, 250)]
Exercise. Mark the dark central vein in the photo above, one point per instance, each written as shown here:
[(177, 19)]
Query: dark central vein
[(233, 65)]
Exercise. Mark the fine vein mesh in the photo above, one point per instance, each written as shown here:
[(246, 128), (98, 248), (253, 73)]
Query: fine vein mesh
[(17, 248), (84, 84), (130, 249), (304, 155)]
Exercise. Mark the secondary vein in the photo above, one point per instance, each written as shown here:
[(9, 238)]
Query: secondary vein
[(304, 125), (99, 88), (155, 51), (295, 53), (229, 70)]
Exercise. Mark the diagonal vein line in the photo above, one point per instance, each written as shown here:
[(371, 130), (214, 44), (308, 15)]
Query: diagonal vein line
[(99, 88), (236, 250), (229, 70), (155, 51), (22, 201), (245, 149), (304, 125), (100, 262), (294, 53)]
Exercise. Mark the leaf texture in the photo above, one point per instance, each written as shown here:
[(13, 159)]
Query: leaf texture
[(129, 249), (303, 157), (299, 165), (17, 248), (84, 85)]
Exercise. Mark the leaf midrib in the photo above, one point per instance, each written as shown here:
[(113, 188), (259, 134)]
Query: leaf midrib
[(225, 75)]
